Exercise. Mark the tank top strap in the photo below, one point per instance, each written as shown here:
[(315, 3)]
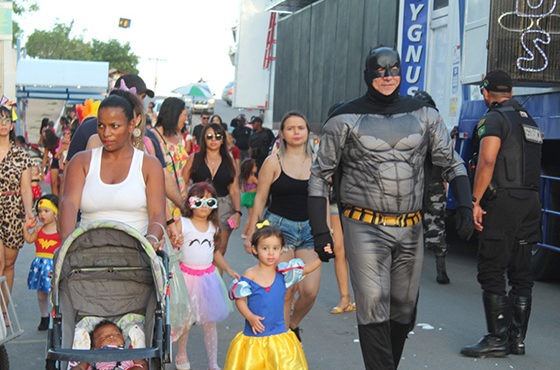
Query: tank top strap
[(137, 159), (280, 163), (95, 162)]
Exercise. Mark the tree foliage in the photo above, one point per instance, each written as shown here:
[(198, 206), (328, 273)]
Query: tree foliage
[(119, 56), (20, 7), (58, 44)]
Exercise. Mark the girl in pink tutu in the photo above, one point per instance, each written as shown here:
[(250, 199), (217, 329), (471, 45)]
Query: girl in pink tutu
[(208, 294)]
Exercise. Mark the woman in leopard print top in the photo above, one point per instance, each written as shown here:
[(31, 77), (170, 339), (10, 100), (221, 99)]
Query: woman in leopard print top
[(16, 199)]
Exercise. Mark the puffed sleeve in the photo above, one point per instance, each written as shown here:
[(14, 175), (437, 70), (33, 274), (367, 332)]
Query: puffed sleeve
[(292, 271), (239, 289)]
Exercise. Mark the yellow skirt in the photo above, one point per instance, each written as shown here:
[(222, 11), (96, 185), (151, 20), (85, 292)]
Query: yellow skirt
[(274, 352)]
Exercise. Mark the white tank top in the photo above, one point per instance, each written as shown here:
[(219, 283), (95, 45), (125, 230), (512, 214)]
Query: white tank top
[(198, 246), (125, 202)]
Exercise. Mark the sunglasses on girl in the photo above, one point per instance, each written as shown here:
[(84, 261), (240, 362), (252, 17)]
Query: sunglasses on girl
[(212, 137), (196, 202)]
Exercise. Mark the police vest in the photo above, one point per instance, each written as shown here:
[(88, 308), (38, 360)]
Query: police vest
[(518, 165)]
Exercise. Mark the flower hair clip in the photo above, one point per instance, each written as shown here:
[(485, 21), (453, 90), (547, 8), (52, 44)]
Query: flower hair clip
[(260, 225)]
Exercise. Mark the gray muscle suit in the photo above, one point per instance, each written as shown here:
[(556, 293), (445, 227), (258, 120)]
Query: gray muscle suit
[(383, 171)]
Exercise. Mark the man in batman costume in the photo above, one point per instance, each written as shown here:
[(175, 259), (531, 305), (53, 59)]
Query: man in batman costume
[(373, 150)]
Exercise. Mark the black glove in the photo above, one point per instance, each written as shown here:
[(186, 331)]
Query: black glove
[(464, 222), (320, 241), (317, 209)]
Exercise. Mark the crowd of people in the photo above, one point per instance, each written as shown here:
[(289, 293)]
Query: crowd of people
[(363, 197)]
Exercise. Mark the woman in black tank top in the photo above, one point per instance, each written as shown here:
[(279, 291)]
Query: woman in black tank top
[(214, 164), (284, 177)]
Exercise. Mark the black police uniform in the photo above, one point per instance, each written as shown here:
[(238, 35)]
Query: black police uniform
[(511, 227), (512, 221)]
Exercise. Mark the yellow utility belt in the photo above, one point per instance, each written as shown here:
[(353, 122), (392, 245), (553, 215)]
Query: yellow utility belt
[(370, 217)]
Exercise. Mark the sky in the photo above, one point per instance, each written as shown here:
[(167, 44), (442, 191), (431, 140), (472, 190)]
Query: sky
[(177, 41)]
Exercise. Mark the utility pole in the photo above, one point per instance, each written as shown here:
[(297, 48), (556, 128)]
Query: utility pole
[(156, 60)]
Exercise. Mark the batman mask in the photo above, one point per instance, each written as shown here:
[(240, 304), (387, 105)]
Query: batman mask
[(382, 58), (381, 62)]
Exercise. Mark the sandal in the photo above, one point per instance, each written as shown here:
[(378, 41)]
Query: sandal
[(182, 365), (349, 308)]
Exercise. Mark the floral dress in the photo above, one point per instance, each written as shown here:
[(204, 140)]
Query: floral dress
[(12, 212), (175, 159)]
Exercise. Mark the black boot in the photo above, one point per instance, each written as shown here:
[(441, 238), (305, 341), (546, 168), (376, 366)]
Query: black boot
[(495, 343), (375, 342), (442, 277), (521, 310), (44, 324), (399, 333)]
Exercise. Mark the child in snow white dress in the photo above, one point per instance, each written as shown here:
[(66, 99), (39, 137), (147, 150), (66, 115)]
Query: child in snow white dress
[(207, 292), (265, 343)]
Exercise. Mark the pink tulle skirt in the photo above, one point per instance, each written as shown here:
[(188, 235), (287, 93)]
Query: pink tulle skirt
[(208, 294)]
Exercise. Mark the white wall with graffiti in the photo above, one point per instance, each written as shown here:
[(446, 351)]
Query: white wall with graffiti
[(448, 46)]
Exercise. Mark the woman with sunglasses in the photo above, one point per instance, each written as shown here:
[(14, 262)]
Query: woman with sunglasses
[(16, 199), (214, 164), (284, 177)]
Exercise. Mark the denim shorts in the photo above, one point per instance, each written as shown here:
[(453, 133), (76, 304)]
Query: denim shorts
[(297, 234)]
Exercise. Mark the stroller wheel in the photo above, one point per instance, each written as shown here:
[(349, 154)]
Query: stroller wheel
[(51, 365), (4, 361)]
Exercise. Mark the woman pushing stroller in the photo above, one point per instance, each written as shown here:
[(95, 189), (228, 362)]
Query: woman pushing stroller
[(116, 181)]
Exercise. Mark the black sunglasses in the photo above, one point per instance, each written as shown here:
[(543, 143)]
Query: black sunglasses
[(211, 137), (205, 117)]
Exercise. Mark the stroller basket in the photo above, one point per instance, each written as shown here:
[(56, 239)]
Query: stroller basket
[(106, 269)]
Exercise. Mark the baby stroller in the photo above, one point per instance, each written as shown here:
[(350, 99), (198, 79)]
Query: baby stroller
[(107, 269)]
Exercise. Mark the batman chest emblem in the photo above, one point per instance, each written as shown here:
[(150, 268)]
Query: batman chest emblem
[(384, 133)]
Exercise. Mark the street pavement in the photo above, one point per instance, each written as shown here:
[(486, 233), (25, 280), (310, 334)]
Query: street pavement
[(449, 317)]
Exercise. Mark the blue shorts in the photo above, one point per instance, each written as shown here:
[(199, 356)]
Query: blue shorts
[(297, 234)]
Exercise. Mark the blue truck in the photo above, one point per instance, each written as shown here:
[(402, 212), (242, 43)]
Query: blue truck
[(545, 109)]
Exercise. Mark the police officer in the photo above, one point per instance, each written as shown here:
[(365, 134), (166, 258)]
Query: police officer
[(506, 211)]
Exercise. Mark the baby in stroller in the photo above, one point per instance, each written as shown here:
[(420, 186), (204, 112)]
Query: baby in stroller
[(108, 335)]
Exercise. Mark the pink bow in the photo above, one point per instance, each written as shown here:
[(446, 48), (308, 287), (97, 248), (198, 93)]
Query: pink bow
[(125, 88)]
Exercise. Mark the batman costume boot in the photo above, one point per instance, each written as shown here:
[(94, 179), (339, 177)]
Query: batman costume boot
[(399, 333), (375, 342)]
